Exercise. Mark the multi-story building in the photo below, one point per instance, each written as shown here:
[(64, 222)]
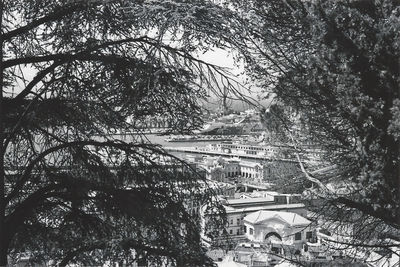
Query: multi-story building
[(234, 169)]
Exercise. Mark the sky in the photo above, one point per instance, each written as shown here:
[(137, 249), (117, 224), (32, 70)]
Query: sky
[(216, 56), (226, 59)]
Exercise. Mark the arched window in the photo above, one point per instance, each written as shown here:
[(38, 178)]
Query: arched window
[(273, 236)]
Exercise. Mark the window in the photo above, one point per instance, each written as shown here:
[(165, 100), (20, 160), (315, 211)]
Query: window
[(238, 232), (244, 229), (230, 231), (251, 231), (231, 221), (275, 250), (297, 236), (308, 235), (238, 221)]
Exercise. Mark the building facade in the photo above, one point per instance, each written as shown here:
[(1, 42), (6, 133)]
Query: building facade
[(277, 227), (233, 169)]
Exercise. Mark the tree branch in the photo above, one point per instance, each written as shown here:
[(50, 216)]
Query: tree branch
[(367, 209), (54, 16), (128, 243), (28, 169), (14, 219), (75, 55)]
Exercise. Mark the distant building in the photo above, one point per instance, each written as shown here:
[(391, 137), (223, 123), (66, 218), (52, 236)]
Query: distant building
[(226, 190), (234, 169), (252, 149), (255, 172)]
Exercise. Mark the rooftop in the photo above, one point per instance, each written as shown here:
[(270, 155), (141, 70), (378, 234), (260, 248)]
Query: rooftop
[(290, 218), (250, 164), (248, 201), (230, 210)]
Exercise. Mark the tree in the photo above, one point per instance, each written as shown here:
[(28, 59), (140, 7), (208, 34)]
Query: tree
[(72, 74), (337, 64)]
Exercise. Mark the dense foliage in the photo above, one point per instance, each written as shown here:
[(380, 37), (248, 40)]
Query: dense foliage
[(73, 74), (336, 63)]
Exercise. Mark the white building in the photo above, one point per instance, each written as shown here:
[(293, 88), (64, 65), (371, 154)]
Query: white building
[(287, 228), (237, 209)]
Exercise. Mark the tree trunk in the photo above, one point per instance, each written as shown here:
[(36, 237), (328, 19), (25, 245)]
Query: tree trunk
[(3, 242)]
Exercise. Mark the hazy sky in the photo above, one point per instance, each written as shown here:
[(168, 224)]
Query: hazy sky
[(226, 59), (216, 56)]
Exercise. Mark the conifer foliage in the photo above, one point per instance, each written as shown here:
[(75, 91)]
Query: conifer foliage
[(72, 74), (336, 63)]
